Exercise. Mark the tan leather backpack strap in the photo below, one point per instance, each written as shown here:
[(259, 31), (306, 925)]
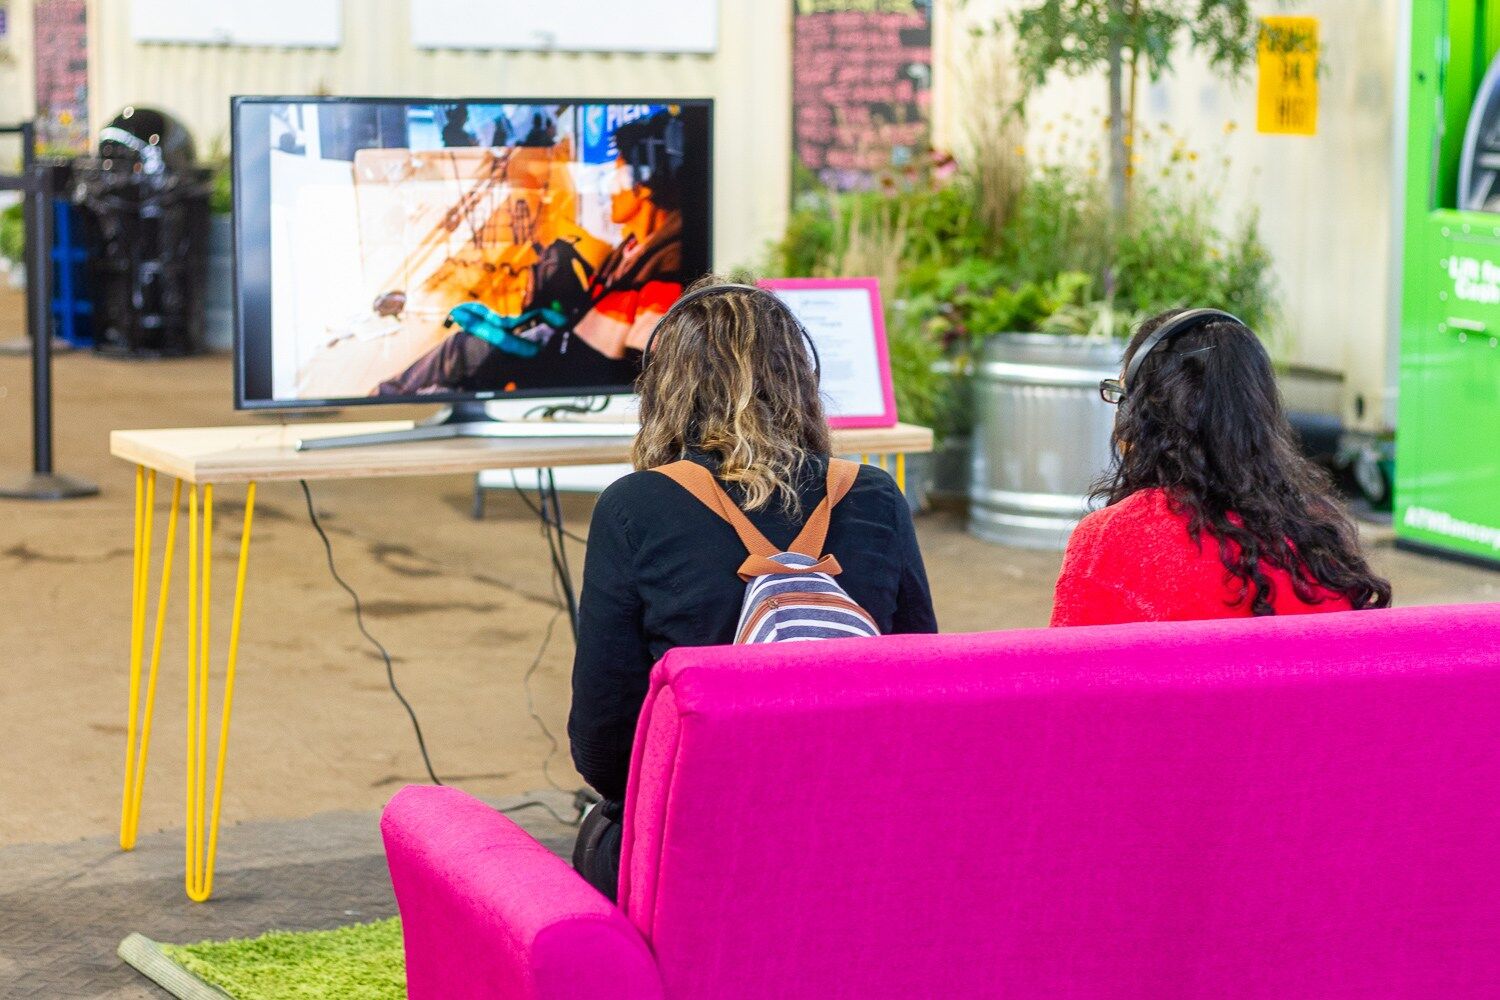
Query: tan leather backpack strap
[(701, 484), (810, 540)]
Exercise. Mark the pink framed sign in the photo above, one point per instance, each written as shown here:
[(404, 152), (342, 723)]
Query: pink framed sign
[(846, 323)]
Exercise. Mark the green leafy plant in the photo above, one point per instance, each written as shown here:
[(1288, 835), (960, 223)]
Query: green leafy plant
[(220, 192), (921, 385), (13, 233), (1099, 319)]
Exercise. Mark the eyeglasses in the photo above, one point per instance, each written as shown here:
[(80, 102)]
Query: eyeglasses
[(1112, 391)]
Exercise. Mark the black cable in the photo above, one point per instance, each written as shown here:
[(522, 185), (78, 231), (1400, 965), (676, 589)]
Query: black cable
[(359, 620), (531, 703), (557, 543), (531, 506), (579, 798), (586, 404)]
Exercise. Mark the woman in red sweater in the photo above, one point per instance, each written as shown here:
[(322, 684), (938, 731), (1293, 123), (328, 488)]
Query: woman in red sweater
[(1212, 512)]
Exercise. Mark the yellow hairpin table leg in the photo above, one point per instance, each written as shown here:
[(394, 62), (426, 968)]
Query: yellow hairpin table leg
[(202, 818), (136, 751), (901, 471)]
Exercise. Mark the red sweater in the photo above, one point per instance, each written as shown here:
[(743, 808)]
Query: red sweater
[(1135, 561)]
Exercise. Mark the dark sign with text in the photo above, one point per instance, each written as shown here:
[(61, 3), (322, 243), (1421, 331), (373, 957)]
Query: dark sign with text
[(861, 87)]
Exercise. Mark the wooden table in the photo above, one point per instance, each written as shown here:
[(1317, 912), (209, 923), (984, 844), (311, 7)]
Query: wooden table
[(203, 457)]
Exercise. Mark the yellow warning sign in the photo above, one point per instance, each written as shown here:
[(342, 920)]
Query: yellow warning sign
[(1287, 95)]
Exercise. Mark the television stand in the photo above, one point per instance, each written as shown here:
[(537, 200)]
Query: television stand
[(472, 420)]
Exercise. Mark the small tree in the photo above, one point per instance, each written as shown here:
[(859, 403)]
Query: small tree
[(1076, 37)]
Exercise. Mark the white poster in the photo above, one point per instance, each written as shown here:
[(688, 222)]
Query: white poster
[(292, 23), (567, 25)]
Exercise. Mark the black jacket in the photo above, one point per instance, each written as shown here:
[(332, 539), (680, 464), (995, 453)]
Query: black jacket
[(660, 572)]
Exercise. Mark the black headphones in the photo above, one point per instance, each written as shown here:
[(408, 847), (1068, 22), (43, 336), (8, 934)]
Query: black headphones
[(1176, 327), (707, 290)]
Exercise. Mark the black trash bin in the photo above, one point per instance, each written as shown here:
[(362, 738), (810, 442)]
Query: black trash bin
[(149, 204)]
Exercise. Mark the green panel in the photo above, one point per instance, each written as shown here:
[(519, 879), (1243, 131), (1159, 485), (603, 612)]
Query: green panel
[(1471, 41), (1448, 432)]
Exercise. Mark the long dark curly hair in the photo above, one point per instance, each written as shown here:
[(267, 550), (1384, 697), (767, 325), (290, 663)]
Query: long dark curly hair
[(1202, 419)]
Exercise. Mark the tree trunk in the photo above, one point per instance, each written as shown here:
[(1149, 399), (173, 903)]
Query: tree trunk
[(1119, 153), (1130, 112)]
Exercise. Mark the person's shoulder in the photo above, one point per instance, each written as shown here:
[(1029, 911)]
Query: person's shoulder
[(1141, 506), (875, 491), (640, 506), (636, 491), (1133, 520), (873, 481)]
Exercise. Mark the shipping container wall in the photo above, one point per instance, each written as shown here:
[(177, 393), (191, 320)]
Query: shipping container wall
[(17, 78), (749, 77), (1324, 202)]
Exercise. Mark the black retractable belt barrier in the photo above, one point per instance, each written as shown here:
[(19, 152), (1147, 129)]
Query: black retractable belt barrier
[(36, 181)]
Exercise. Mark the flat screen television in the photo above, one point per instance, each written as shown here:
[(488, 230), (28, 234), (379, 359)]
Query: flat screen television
[(443, 250)]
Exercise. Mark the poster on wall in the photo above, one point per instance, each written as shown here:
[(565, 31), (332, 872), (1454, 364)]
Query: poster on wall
[(291, 23), (1287, 88), (567, 25), (861, 89), (62, 75)]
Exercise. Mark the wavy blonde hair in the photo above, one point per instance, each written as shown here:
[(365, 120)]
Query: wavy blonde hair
[(729, 375)]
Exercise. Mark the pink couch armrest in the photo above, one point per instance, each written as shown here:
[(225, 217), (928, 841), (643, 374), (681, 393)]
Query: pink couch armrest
[(487, 911)]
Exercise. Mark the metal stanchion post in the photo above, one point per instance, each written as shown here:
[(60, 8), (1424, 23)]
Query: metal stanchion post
[(42, 483)]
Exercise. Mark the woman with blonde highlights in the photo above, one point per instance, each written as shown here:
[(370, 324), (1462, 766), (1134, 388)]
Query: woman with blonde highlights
[(729, 383)]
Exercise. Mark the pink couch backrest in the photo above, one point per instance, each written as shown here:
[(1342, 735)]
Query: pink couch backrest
[(1294, 807)]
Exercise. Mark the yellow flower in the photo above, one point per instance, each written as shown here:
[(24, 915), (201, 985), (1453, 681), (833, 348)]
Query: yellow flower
[(1192, 157), (1231, 126)]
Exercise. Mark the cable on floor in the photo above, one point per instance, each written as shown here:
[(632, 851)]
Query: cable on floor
[(580, 800)]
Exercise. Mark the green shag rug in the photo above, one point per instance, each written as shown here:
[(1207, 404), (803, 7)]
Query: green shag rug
[(362, 962)]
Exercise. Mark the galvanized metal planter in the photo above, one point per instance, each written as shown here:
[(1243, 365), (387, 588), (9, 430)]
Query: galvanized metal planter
[(1041, 436)]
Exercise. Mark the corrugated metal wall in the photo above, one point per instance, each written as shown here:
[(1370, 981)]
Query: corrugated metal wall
[(750, 78)]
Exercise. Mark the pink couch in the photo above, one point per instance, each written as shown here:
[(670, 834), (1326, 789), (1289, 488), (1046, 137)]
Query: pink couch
[(1282, 808)]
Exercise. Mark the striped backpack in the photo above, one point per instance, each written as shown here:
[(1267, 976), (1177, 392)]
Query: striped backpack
[(789, 596)]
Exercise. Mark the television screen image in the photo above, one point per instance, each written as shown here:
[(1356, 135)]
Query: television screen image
[(442, 250)]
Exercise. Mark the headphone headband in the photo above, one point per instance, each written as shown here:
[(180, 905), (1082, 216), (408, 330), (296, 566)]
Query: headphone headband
[(1176, 327), (706, 291)]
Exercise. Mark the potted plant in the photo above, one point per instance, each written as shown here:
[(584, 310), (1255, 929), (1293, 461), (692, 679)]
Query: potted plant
[(1042, 435)]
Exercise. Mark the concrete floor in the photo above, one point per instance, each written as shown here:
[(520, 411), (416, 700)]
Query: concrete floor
[(463, 605)]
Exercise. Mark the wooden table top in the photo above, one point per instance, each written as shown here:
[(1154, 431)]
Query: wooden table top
[(269, 453)]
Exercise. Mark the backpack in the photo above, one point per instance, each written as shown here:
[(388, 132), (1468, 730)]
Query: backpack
[(790, 596)]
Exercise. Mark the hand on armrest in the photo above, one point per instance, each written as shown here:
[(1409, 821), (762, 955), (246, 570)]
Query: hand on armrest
[(488, 912)]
